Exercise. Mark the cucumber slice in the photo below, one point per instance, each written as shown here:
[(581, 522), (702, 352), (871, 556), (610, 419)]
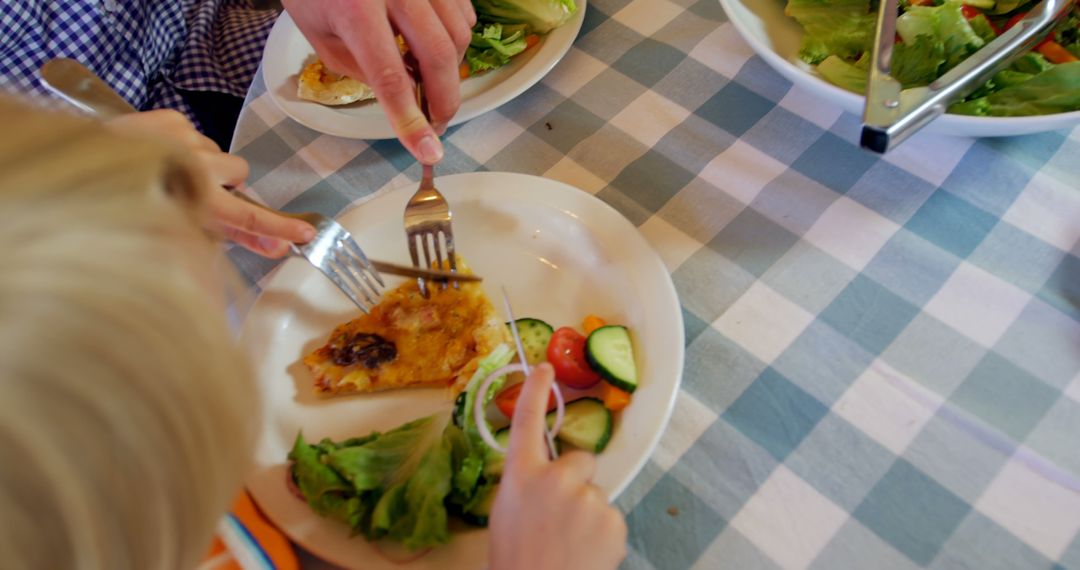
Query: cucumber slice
[(535, 336), (586, 424), (610, 352), (495, 461)]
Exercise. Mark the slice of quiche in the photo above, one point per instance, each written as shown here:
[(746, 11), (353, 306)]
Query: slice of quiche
[(319, 84), (408, 341)]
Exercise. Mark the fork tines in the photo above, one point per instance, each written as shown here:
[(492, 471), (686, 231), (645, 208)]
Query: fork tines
[(349, 269), (429, 242)]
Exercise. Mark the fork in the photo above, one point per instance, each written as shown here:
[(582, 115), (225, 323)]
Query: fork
[(427, 214), (333, 251), (336, 255)]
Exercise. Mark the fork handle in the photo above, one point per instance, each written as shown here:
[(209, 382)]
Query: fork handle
[(309, 217), (79, 86)]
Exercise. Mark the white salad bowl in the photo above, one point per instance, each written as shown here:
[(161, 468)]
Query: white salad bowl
[(776, 38)]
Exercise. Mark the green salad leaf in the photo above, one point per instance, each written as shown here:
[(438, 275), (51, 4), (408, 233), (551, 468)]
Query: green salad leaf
[(852, 77), (934, 39), (943, 24), (541, 16), (918, 62), (493, 46), (399, 485), (1055, 90), (413, 512), (844, 28), (383, 485)]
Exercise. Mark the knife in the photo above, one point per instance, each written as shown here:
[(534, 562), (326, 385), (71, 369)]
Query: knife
[(419, 272)]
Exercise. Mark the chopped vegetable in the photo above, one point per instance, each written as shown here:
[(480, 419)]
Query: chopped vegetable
[(385, 485), (1055, 90), (833, 27), (541, 16), (535, 337), (493, 45), (506, 400), (1054, 53), (591, 323), (587, 425), (614, 398), (933, 36), (611, 353), (566, 353)]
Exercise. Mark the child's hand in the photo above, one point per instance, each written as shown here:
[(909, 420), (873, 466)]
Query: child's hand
[(547, 515), (258, 230)]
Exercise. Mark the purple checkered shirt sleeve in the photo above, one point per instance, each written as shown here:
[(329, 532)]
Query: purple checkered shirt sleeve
[(148, 50)]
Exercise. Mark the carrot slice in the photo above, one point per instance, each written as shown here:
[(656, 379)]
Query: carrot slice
[(591, 323), (614, 398), (531, 40), (1055, 53), (464, 71)]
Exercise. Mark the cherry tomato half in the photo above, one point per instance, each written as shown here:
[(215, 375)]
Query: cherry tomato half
[(566, 353), (506, 400)]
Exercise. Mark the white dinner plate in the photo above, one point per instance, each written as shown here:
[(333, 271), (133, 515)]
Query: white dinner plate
[(560, 253), (287, 51), (776, 38)]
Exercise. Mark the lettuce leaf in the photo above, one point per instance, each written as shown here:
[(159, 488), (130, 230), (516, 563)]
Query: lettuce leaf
[(493, 45), (943, 24), (397, 485), (323, 488), (843, 74), (541, 16), (844, 28), (1033, 63), (918, 63), (388, 459), (1056, 90), (413, 512), (391, 485), (501, 356)]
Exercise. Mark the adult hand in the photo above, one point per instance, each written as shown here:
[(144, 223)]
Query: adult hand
[(547, 515), (261, 231), (358, 38)]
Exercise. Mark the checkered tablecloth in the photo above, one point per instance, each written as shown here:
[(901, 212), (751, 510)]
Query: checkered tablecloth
[(883, 354)]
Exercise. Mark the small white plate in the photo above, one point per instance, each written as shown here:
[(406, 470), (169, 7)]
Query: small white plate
[(777, 37), (287, 51), (560, 253)]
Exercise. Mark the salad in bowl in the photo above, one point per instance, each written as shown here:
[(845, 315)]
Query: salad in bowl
[(933, 37)]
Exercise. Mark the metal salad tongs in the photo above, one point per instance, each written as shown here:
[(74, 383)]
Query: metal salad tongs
[(892, 113)]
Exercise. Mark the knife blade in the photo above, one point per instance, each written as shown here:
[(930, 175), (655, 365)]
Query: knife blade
[(420, 272)]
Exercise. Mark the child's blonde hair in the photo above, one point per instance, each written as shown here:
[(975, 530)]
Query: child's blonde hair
[(126, 410)]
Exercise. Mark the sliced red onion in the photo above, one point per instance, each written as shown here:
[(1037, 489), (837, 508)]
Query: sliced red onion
[(549, 438), (290, 483), (479, 415)]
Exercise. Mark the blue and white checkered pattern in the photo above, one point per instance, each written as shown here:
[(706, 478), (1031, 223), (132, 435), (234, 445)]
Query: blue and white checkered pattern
[(145, 49), (883, 354)]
